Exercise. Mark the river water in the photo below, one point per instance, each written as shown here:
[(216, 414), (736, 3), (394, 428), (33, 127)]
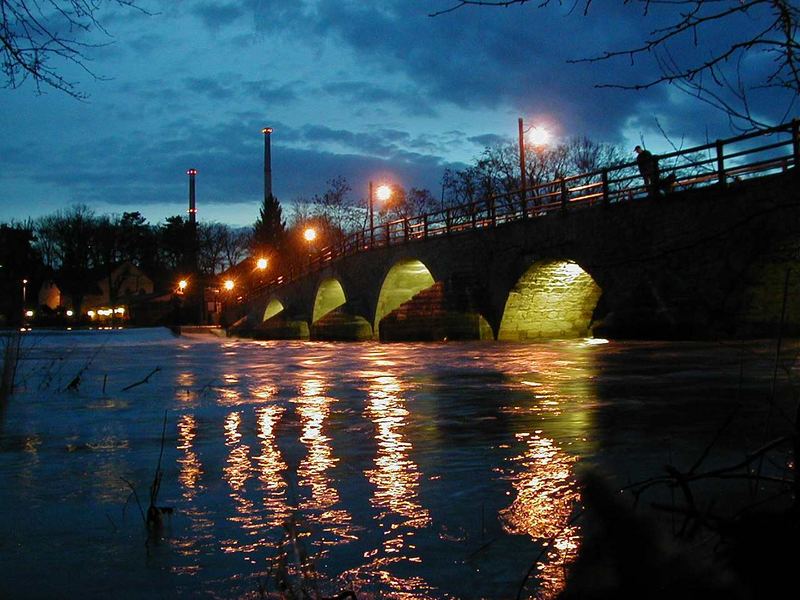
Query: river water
[(400, 470)]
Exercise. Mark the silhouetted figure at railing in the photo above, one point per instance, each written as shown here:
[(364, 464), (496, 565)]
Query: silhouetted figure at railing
[(648, 167)]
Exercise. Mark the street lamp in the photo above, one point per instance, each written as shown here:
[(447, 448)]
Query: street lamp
[(228, 285), (261, 263), (182, 285), (539, 137), (382, 193), (309, 235)]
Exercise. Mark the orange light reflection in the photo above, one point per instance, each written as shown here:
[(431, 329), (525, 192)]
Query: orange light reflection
[(236, 472), (546, 496), (271, 466), (547, 492), (190, 467), (313, 408), (395, 476)]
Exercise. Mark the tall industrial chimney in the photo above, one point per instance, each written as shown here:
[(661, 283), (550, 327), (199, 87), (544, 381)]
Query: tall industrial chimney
[(267, 131), (192, 206)]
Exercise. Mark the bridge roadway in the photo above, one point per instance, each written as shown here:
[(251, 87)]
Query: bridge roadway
[(708, 262)]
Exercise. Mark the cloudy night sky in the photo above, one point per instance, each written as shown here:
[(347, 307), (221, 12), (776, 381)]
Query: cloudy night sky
[(361, 89)]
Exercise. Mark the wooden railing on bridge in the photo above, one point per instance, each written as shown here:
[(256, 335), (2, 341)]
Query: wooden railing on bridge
[(720, 163)]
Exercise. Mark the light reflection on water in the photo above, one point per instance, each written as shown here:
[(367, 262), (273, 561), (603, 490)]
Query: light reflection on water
[(543, 472), (190, 467), (271, 465), (395, 478), (313, 407), (386, 456), (546, 497)]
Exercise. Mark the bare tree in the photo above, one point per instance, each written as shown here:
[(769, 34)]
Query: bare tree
[(495, 173), (37, 35), (236, 246), (585, 155), (691, 54), (213, 238), (405, 204), (336, 207)]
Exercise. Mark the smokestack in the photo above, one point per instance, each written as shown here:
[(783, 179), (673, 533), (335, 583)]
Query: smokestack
[(192, 207), (267, 131)]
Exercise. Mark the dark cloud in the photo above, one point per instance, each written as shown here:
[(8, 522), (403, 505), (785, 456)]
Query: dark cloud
[(209, 87), (476, 59), (387, 144), (484, 58), (366, 92), (146, 43), (271, 92), (487, 139), (215, 15)]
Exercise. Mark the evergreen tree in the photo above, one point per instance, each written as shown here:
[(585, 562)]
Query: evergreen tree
[(269, 231)]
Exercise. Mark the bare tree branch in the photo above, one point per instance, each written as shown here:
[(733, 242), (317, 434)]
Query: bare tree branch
[(712, 72), (38, 36)]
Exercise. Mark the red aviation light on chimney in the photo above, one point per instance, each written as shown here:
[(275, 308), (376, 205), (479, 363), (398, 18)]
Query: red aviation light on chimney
[(266, 130), (191, 172)]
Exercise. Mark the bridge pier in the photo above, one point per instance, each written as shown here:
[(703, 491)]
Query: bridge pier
[(280, 328), (340, 325)]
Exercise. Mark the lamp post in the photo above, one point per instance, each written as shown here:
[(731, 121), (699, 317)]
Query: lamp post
[(383, 193), (539, 137), (309, 235), (177, 301), (523, 176), (261, 266), (228, 285)]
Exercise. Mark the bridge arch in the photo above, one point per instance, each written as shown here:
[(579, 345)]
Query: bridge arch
[(552, 299), (273, 308), (330, 296), (404, 280)]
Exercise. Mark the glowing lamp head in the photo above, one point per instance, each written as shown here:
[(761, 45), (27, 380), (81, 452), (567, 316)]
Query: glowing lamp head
[(182, 284), (91, 314), (228, 285), (539, 136), (28, 313), (70, 313), (262, 263), (310, 234), (383, 193), (191, 172)]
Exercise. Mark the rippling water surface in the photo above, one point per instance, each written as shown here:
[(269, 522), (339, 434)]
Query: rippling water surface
[(402, 470)]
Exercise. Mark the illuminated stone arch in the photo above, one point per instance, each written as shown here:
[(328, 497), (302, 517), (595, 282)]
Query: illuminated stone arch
[(404, 280), (274, 307), (552, 299), (330, 296)]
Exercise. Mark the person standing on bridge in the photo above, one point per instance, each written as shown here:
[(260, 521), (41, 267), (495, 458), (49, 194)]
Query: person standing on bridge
[(648, 167)]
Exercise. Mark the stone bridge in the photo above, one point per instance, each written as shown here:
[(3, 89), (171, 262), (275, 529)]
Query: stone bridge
[(716, 262)]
